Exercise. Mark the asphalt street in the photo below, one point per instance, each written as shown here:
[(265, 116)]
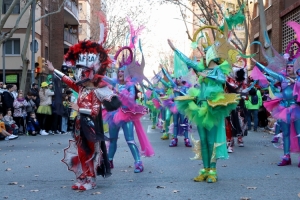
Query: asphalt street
[(31, 169)]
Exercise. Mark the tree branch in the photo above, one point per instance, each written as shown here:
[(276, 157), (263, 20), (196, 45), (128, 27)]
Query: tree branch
[(57, 11), (8, 13), (13, 30)]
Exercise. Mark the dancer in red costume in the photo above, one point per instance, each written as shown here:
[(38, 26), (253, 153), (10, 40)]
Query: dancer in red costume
[(86, 156)]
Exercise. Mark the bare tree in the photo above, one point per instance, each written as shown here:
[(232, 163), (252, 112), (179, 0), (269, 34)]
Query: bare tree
[(117, 12), (212, 13)]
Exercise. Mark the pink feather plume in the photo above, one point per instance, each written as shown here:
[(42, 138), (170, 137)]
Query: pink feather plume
[(256, 74), (296, 27), (134, 33), (103, 27)]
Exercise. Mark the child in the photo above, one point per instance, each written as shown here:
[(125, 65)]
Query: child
[(33, 125), (66, 114), (9, 121), (3, 131)]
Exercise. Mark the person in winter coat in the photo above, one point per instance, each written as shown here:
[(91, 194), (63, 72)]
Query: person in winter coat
[(31, 107), (20, 111), (8, 99), (44, 109), (33, 126), (3, 132), (35, 92), (66, 114), (10, 122)]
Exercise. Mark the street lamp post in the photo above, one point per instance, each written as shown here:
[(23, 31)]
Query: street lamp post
[(33, 43), (3, 61)]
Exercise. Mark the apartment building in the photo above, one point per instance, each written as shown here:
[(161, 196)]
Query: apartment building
[(54, 34), (277, 13)]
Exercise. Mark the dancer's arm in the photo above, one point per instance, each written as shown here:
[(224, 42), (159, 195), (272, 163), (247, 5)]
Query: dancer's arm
[(71, 83), (271, 73), (190, 63)]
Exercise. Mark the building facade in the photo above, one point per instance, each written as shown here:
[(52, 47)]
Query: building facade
[(277, 13), (55, 33)]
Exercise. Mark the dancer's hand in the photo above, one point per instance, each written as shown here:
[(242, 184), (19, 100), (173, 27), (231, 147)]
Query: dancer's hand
[(49, 65), (74, 106)]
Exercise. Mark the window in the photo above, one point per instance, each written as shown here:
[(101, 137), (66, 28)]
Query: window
[(267, 3), (256, 46), (256, 10), (12, 47), (46, 18), (6, 5)]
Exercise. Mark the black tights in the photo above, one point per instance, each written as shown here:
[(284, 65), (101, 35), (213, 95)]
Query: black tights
[(44, 120)]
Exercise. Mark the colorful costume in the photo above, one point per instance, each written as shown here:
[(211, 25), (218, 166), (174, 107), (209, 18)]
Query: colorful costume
[(285, 108), (129, 114), (86, 155), (207, 105)]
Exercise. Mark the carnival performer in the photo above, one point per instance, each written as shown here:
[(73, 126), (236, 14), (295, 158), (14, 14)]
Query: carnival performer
[(207, 105), (285, 108), (168, 105), (129, 114), (86, 155), (236, 123), (180, 122)]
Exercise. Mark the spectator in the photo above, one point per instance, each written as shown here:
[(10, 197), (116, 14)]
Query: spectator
[(66, 114), (15, 91), (10, 122), (19, 113), (56, 119), (253, 103), (31, 107), (49, 79), (3, 131), (45, 107), (34, 90), (1, 93), (8, 99), (2, 89), (33, 126), (50, 87)]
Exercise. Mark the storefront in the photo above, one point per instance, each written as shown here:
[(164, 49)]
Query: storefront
[(11, 78)]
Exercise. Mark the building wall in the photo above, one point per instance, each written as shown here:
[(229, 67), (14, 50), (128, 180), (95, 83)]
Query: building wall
[(56, 39), (277, 15)]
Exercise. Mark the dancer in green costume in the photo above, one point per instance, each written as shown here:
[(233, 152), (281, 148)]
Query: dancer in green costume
[(207, 105)]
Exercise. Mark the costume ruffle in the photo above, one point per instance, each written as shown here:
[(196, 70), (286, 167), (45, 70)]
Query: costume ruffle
[(288, 115), (170, 104), (71, 158), (204, 114)]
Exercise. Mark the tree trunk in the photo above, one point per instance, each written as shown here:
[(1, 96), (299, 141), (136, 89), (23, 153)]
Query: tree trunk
[(25, 60)]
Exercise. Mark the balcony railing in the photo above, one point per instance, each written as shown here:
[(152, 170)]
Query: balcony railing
[(72, 7), (70, 38)]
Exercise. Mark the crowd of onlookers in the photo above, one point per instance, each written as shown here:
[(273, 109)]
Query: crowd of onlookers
[(35, 112)]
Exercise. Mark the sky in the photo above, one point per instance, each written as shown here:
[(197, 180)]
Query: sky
[(165, 24)]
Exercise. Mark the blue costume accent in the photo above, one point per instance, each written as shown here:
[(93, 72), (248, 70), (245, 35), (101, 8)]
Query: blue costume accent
[(179, 121), (287, 111)]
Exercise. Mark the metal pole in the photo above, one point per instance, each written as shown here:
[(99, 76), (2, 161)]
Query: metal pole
[(33, 41), (3, 62)]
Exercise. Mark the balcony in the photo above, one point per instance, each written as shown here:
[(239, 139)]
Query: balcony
[(69, 38), (71, 13)]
